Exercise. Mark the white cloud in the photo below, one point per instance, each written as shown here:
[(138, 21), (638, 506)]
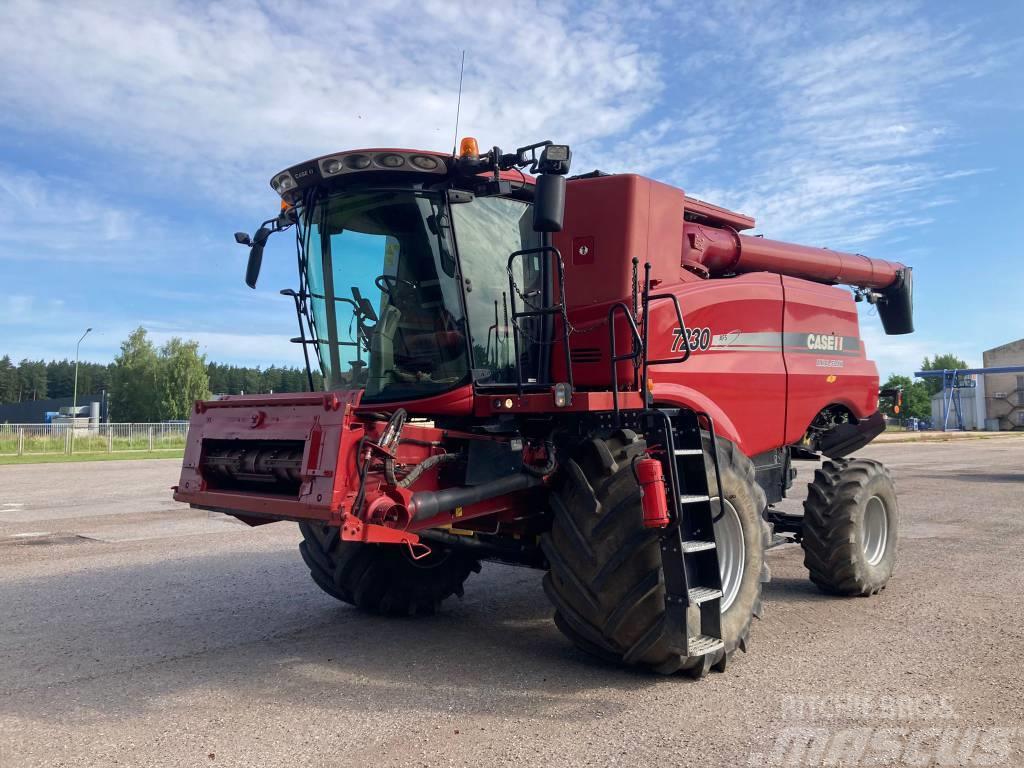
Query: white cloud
[(827, 123), (15, 308), (818, 122), (60, 218), (836, 119), (238, 348), (225, 94)]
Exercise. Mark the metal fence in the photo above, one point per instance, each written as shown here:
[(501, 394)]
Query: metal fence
[(34, 439)]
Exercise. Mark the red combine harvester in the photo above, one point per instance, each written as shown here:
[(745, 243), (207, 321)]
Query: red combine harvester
[(596, 376)]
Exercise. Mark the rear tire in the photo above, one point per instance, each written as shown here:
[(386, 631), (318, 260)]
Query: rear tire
[(606, 578), (383, 578), (851, 527)]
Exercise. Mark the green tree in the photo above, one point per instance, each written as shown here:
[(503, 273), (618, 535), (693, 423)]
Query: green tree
[(8, 380), (272, 380), (60, 378), (916, 400), (32, 380), (133, 385), (181, 378), (92, 378), (947, 362)]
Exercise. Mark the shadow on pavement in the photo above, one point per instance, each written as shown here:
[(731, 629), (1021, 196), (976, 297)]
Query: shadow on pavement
[(977, 477), (115, 641)]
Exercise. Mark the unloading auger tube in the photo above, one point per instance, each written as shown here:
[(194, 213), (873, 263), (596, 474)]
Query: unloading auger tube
[(724, 251)]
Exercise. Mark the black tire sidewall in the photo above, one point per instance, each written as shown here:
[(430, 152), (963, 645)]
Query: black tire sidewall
[(745, 500)]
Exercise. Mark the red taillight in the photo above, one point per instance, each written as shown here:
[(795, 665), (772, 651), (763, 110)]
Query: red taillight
[(652, 485)]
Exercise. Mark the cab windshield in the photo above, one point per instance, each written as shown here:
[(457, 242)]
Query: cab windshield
[(384, 298)]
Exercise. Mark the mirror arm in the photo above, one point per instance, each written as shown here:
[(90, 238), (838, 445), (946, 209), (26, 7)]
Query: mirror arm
[(267, 228)]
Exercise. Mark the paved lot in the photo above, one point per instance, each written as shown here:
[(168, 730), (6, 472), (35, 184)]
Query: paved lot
[(137, 632)]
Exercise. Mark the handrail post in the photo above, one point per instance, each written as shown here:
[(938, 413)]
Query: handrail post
[(634, 352), (644, 393), (563, 313)]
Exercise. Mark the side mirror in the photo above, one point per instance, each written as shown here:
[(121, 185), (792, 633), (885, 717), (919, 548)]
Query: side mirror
[(252, 270), (549, 203), (242, 238)]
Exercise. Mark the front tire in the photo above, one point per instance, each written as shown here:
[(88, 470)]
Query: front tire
[(851, 527), (606, 579), (383, 578)]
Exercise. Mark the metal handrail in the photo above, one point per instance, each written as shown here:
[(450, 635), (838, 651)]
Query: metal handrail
[(638, 351), (553, 309)]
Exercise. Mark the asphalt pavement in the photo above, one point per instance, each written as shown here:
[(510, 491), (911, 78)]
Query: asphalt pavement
[(135, 631)]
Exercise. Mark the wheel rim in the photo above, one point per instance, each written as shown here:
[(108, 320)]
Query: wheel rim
[(876, 530), (732, 552)]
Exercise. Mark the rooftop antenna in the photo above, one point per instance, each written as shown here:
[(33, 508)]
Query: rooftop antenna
[(458, 105)]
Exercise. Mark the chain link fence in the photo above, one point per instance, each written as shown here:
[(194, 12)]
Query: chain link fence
[(36, 439)]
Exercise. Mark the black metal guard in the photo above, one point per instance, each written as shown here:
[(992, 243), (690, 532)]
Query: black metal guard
[(300, 303), (554, 309), (648, 298), (641, 339), (714, 459), (636, 352), (299, 312)]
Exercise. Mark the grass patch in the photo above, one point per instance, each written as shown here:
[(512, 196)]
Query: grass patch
[(59, 458), (89, 443)]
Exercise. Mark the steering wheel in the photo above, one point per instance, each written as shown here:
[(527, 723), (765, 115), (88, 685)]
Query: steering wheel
[(386, 283)]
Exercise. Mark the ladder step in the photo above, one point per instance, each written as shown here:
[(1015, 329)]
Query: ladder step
[(697, 546), (700, 595), (693, 499), (688, 452), (701, 645)]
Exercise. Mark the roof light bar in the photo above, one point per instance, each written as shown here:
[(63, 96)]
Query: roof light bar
[(352, 162)]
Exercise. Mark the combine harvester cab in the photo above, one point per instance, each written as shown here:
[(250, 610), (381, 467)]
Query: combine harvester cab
[(599, 377)]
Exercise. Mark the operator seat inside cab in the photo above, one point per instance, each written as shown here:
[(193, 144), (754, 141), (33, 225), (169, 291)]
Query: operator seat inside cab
[(428, 337)]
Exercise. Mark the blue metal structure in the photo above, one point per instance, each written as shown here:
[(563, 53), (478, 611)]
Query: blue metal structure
[(953, 382)]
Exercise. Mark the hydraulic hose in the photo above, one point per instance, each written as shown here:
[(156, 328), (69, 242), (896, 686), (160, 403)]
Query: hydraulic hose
[(417, 471)]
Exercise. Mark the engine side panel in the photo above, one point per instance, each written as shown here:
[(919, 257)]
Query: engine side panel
[(736, 370), (824, 354)]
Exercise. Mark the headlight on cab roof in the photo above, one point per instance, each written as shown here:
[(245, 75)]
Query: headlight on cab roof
[(288, 183)]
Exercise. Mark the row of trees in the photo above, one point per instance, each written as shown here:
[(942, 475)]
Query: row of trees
[(38, 380), (145, 383)]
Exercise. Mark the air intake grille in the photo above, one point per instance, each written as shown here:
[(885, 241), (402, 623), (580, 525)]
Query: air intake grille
[(586, 355)]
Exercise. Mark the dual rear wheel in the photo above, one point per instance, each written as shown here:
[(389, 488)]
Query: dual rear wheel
[(851, 527)]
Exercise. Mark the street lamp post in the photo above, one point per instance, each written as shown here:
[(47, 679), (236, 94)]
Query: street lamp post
[(74, 396)]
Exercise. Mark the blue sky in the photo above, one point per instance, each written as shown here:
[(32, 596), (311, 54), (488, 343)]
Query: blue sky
[(137, 137)]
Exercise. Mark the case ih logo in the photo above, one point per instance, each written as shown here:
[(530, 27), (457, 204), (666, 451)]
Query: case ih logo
[(825, 342)]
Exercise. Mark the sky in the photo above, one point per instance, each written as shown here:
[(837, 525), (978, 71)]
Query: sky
[(136, 137)]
